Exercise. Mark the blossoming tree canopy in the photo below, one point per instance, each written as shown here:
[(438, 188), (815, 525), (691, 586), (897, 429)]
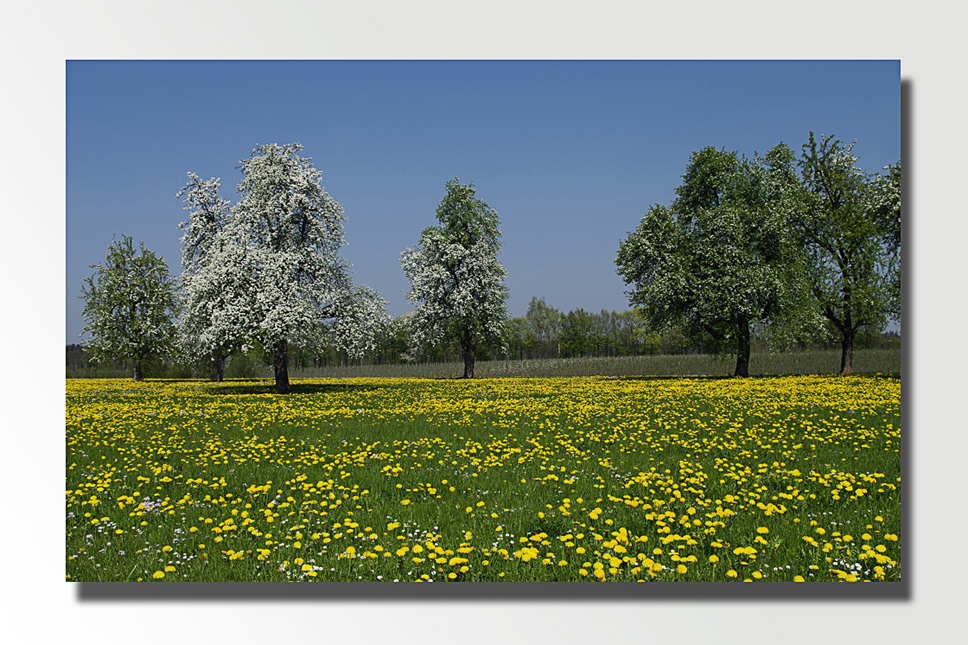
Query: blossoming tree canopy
[(213, 278), (208, 214), (273, 271), (457, 283), (129, 305)]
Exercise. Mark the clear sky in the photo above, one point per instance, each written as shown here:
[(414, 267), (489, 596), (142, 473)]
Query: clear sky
[(569, 153)]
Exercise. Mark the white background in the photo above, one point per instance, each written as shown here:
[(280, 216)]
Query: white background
[(37, 40)]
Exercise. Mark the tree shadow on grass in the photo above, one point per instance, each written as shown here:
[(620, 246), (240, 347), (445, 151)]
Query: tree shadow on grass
[(249, 387)]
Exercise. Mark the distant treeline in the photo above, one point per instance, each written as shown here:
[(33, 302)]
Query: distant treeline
[(543, 332)]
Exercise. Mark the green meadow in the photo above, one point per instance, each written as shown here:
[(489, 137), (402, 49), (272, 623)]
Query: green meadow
[(771, 478)]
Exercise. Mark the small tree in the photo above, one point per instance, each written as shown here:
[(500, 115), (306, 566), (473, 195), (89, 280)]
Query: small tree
[(543, 329), (515, 338), (577, 330), (851, 235), (129, 305), (457, 283)]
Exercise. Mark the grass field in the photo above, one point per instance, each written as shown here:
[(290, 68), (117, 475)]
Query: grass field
[(784, 478)]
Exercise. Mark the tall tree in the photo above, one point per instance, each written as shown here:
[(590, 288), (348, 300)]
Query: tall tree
[(848, 240), (456, 280), (288, 231), (720, 258), (268, 270), (129, 306)]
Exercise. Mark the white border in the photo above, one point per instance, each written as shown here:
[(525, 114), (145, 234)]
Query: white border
[(40, 36)]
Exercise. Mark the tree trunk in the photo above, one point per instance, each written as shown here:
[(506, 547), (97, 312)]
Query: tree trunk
[(219, 368), (847, 329), (742, 349), (468, 354), (138, 376), (847, 351), (280, 355)]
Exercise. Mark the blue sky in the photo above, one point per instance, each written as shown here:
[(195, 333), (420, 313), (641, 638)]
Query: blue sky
[(569, 153)]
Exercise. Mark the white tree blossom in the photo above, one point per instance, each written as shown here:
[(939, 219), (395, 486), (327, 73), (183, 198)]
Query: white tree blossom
[(885, 207), (208, 214), (362, 318), (214, 278), (272, 271), (457, 282)]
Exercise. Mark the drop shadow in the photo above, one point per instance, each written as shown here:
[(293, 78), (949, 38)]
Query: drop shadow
[(908, 380), (489, 591)]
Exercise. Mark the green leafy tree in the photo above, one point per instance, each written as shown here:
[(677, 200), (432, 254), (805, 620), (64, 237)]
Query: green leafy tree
[(129, 306), (516, 338), (542, 329), (849, 227), (634, 336), (721, 257), (457, 282), (577, 333)]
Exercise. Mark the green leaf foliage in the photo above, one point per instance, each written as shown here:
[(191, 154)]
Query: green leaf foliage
[(721, 257), (129, 306), (849, 227)]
